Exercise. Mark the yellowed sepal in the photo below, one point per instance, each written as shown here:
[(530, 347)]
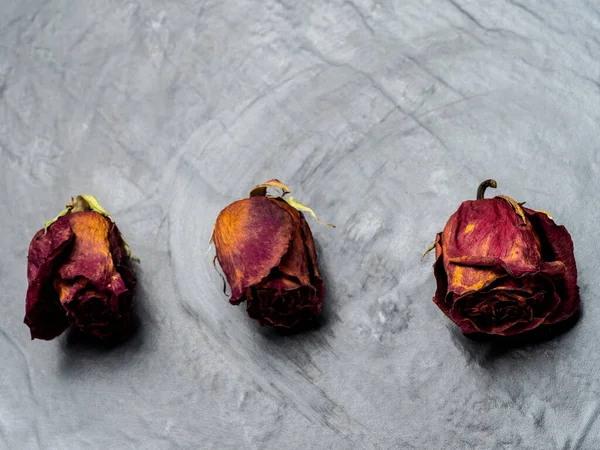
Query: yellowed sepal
[(544, 212), (94, 205), (540, 211), (261, 190), (427, 250), (516, 206), (300, 207), (82, 202)]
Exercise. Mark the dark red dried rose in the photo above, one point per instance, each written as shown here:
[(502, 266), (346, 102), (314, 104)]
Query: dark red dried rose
[(267, 253), (504, 269), (79, 274)]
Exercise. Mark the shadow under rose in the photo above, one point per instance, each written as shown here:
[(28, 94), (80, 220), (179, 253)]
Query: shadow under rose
[(304, 327), (485, 348), (296, 346), (76, 339), (538, 335), (79, 350)]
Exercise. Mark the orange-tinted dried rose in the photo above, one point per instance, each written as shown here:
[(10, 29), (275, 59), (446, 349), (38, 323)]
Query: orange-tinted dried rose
[(79, 274), (266, 251), (503, 269)]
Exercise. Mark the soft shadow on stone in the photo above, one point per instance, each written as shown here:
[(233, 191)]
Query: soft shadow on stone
[(75, 340), (304, 327), (329, 314), (533, 337), (81, 351), (297, 346), (483, 347)]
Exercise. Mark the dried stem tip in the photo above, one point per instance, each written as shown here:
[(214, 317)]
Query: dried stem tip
[(483, 186)]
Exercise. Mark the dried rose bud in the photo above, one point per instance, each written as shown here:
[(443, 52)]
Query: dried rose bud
[(79, 274), (504, 269), (266, 250)]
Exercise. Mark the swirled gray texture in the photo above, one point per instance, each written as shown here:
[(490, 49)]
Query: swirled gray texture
[(383, 116)]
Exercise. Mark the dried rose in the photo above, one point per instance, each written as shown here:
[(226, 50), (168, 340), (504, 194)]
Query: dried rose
[(79, 274), (503, 269), (266, 250)]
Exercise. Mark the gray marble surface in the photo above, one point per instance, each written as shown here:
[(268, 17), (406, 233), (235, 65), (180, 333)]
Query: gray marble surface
[(381, 115)]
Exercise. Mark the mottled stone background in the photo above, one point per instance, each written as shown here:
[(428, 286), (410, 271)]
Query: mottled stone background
[(381, 115)]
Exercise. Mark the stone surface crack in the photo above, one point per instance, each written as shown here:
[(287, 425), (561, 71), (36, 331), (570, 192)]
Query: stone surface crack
[(361, 15)]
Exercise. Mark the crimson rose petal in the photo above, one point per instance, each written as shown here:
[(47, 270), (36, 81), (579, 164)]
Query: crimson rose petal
[(44, 314)]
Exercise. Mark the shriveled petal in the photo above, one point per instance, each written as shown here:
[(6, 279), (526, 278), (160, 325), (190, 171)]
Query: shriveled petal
[(316, 279), (46, 246), (487, 233), (95, 285), (557, 245), (122, 300), (495, 312), (117, 246), (280, 282), (511, 306), (295, 262), (68, 289), (89, 308), (43, 312), (282, 308), (251, 237), (91, 257), (98, 314), (100, 306), (522, 327), (491, 228), (441, 293), (475, 273)]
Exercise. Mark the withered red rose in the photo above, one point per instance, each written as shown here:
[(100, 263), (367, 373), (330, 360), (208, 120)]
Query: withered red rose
[(504, 269), (266, 251), (79, 274)]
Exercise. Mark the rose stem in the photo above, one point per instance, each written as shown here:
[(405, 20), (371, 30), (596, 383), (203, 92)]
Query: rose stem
[(483, 186)]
